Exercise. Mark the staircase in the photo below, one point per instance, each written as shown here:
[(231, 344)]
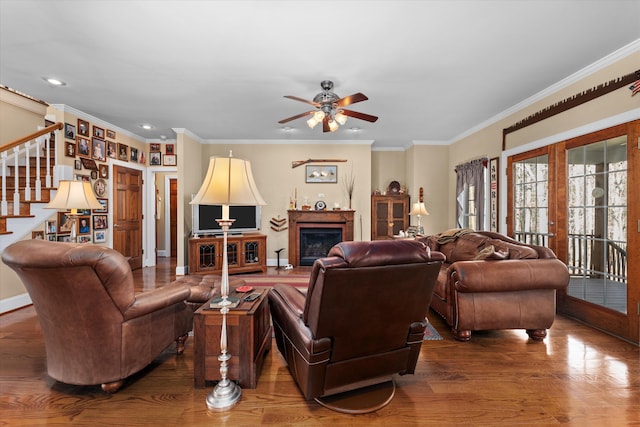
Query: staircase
[(27, 176)]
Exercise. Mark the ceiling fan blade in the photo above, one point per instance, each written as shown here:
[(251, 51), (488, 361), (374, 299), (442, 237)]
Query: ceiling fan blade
[(361, 116), (325, 125), (295, 98), (297, 116), (351, 99)]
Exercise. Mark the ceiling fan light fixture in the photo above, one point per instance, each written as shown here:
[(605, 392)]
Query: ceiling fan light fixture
[(319, 115), (333, 126), (312, 122), (341, 118)]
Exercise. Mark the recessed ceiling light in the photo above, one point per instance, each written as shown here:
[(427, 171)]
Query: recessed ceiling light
[(146, 126), (53, 81), (287, 129)]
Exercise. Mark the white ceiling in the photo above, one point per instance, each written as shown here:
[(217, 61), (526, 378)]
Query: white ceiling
[(431, 69)]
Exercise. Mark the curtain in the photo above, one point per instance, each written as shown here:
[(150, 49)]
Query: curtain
[(472, 174)]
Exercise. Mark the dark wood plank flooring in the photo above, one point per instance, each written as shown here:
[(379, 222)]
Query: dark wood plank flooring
[(577, 376)]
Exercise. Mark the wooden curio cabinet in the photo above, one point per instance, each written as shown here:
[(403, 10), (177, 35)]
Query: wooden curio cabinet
[(389, 215), (245, 253)]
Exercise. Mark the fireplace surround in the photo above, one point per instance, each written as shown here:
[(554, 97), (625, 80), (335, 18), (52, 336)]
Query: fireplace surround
[(324, 222)]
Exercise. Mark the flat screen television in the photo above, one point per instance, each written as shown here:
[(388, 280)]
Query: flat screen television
[(247, 218)]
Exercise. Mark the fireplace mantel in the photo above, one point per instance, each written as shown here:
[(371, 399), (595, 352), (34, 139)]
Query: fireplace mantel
[(316, 219)]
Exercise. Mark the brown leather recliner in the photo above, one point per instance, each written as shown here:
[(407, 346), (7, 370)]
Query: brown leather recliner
[(361, 321), (96, 330)]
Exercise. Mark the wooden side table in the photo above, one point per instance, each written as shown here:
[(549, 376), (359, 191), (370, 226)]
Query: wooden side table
[(248, 341)]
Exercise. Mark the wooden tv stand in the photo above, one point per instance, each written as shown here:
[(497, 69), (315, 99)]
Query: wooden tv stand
[(246, 253)]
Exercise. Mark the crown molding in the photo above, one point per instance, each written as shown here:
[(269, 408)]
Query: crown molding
[(88, 117), (187, 132), (608, 60), (286, 142)]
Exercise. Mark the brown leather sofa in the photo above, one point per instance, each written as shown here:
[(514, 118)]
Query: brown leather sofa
[(96, 329), (490, 281), (361, 321)]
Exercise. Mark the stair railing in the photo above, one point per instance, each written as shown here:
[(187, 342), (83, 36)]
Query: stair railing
[(42, 138)]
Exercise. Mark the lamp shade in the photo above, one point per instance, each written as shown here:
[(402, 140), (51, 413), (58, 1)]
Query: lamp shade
[(229, 181), (74, 195), (418, 208)]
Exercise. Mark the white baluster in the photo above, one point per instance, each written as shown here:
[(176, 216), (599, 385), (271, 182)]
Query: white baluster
[(3, 205), (47, 146), (27, 171), (38, 179), (16, 183)]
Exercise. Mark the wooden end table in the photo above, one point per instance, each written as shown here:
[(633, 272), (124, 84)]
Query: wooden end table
[(248, 340)]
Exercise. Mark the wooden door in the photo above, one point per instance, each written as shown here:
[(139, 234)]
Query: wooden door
[(577, 197), (173, 215), (127, 214)]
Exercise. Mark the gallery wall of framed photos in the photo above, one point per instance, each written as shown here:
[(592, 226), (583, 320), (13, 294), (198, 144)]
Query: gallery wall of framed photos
[(88, 146)]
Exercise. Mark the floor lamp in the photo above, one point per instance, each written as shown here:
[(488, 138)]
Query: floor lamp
[(74, 196), (229, 182)]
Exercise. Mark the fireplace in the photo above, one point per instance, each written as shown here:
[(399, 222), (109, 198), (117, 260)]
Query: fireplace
[(313, 233), (315, 243)]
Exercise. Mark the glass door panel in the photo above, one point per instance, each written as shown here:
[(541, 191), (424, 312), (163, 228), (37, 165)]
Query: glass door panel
[(597, 223), (531, 200)]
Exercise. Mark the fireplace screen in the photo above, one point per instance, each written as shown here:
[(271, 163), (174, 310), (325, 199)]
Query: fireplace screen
[(316, 242)]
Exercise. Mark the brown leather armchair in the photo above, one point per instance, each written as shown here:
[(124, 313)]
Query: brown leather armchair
[(96, 329), (361, 321)]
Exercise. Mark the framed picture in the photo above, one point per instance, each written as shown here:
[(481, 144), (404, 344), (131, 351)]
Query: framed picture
[(52, 238), (169, 149), (77, 164), (123, 152), (169, 159), (69, 149), (111, 134), (104, 171), (65, 223), (69, 131), (112, 149), (89, 164), (98, 132), (83, 147), (105, 206), (155, 158), (66, 238), (100, 188), (321, 174), (99, 236), (141, 158), (51, 227), (37, 235), (94, 174), (84, 225), (134, 154), (83, 127), (84, 239), (99, 149), (81, 177), (154, 147), (100, 222), (494, 181)]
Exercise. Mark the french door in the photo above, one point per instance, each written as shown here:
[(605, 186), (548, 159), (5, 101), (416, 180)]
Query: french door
[(580, 198)]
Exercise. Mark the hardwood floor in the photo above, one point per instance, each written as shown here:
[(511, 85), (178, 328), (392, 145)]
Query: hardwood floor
[(577, 376)]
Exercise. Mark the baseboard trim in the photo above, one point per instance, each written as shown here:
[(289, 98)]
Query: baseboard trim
[(14, 303)]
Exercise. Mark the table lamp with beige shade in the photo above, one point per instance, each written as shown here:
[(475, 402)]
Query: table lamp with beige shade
[(74, 196)]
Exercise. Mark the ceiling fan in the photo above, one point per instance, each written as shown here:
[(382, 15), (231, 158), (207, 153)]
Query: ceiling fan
[(329, 109)]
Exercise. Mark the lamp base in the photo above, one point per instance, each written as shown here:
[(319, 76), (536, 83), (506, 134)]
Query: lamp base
[(224, 396)]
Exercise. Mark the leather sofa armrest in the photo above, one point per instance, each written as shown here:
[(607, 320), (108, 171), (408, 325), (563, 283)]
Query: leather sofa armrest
[(287, 305), (508, 275), (147, 302)]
